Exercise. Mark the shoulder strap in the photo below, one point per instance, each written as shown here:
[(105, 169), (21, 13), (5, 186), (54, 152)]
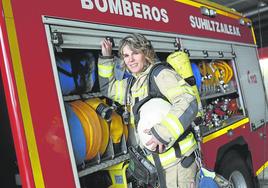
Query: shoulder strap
[(152, 86), (153, 90)]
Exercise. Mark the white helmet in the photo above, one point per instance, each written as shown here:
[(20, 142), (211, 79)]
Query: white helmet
[(151, 113)]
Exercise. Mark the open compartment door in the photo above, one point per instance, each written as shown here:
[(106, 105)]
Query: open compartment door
[(251, 84)]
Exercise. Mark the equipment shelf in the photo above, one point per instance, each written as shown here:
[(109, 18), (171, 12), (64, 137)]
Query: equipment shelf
[(103, 165), (216, 95)]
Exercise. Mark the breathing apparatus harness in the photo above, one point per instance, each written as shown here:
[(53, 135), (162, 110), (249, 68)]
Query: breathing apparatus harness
[(148, 173)]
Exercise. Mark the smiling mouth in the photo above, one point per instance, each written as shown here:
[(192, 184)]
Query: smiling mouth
[(133, 65)]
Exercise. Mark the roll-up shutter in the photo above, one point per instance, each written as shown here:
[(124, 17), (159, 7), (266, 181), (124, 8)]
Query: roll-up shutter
[(82, 35), (198, 49), (79, 35)]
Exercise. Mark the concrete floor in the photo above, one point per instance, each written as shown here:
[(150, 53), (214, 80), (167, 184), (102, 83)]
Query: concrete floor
[(264, 184)]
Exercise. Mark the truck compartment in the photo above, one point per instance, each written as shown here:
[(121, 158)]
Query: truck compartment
[(96, 149)]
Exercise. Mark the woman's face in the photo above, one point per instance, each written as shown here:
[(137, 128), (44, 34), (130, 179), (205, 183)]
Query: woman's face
[(134, 60)]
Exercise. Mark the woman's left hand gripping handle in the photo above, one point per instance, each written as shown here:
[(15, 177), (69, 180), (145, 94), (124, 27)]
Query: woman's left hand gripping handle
[(106, 47)]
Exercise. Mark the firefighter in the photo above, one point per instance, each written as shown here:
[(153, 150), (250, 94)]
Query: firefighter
[(175, 148)]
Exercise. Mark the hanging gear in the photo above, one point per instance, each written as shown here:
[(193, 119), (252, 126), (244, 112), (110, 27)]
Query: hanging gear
[(77, 74), (180, 62)]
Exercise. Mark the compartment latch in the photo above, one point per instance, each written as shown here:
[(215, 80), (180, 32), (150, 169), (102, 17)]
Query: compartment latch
[(57, 40)]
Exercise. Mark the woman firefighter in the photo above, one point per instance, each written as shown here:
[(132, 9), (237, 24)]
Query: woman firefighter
[(170, 138)]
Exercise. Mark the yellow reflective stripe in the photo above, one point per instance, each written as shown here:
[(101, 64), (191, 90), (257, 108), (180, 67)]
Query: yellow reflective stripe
[(141, 92), (171, 93), (173, 125), (132, 120), (119, 92), (170, 156), (253, 34), (105, 71), (225, 130), (262, 168), (189, 90), (187, 143), (165, 158), (23, 97)]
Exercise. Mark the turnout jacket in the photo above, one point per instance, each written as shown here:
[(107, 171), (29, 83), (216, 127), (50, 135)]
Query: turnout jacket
[(181, 96)]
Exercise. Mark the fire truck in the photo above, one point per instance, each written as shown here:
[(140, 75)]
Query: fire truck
[(263, 58), (51, 132)]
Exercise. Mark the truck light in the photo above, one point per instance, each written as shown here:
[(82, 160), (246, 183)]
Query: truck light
[(212, 12), (208, 12), (249, 24), (242, 21)]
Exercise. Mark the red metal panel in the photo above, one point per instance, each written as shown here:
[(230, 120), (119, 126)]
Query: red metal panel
[(14, 112), (43, 101), (210, 148), (263, 53)]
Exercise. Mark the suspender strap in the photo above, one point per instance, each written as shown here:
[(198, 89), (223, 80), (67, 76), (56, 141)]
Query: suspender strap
[(176, 144), (159, 168)]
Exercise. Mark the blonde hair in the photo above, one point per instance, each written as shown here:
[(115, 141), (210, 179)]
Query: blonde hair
[(138, 42)]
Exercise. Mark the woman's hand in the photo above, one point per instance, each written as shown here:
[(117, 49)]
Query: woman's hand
[(106, 47), (154, 143)]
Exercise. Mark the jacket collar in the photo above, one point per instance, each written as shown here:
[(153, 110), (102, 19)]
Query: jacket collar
[(144, 72)]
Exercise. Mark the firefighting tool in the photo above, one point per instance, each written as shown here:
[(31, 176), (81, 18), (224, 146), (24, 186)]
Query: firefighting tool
[(101, 108), (216, 76), (225, 70), (95, 136), (77, 135), (86, 127), (219, 110), (116, 128), (105, 135)]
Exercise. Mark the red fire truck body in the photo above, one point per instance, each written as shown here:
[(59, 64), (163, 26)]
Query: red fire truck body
[(33, 33)]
